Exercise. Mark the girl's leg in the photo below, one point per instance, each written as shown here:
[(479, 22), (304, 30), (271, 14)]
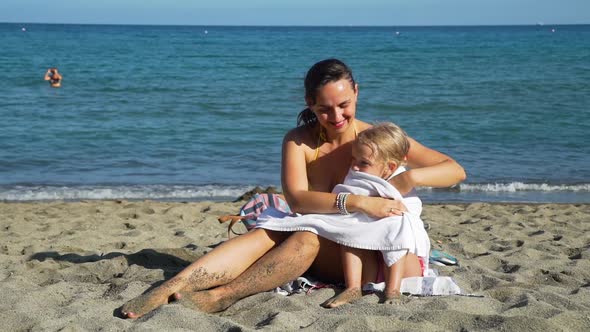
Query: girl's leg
[(282, 264), (355, 273), (222, 265), (352, 263), (407, 266)]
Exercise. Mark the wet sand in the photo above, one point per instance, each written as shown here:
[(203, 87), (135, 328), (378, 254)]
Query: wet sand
[(68, 266)]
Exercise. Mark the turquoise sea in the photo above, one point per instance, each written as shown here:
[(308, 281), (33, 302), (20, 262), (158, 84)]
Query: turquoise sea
[(199, 112)]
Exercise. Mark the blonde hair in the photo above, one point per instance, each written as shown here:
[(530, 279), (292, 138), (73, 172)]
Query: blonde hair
[(387, 141)]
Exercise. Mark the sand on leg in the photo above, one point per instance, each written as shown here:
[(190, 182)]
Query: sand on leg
[(284, 263), (221, 265)]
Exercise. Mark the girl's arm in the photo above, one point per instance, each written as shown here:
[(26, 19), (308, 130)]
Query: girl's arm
[(428, 168)]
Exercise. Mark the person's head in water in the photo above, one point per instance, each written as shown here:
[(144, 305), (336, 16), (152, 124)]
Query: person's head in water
[(342, 95), (380, 150)]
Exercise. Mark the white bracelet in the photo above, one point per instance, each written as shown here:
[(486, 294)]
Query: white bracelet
[(341, 202)]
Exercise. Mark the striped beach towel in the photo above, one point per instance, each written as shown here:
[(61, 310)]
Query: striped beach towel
[(250, 211), (260, 202)]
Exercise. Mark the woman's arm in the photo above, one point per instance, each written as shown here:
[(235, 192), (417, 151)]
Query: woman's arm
[(302, 200), (428, 168), (294, 179)]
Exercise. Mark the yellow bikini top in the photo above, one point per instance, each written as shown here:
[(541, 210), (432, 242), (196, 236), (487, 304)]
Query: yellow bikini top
[(322, 138)]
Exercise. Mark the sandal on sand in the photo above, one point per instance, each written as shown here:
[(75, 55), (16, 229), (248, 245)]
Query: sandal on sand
[(441, 258)]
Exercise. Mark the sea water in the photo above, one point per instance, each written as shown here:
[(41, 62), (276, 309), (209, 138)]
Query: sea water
[(199, 112)]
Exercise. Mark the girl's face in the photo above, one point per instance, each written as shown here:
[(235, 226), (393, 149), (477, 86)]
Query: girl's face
[(335, 105), (364, 160)]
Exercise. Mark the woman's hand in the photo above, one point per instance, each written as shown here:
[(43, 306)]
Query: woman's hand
[(378, 207)]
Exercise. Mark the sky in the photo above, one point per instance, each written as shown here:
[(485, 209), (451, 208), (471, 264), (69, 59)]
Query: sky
[(297, 12)]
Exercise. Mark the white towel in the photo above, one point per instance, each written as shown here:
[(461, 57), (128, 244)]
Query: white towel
[(393, 236), (430, 285), (422, 286)]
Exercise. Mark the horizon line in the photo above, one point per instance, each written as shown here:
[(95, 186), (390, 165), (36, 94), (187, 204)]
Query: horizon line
[(310, 25)]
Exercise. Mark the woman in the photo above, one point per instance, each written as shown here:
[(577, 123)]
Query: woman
[(316, 157), (53, 77)]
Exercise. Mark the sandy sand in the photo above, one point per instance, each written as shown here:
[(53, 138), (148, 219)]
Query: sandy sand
[(69, 266)]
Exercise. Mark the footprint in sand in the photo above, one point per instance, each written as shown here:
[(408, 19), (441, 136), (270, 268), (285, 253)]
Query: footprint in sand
[(509, 268), (129, 215), (129, 226), (511, 297), (574, 253), (535, 233), (488, 282), (501, 246), (147, 210), (120, 245)]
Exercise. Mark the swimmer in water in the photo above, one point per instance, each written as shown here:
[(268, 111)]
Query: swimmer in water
[(53, 77)]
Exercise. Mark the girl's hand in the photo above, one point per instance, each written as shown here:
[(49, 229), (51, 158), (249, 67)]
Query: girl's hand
[(378, 207)]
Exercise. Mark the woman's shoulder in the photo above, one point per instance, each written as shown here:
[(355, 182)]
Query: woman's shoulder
[(301, 134), (362, 125)]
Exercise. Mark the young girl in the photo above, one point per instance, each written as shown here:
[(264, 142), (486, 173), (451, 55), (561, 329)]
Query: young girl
[(379, 151)]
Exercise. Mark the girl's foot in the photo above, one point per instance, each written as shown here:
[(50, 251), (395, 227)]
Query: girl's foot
[(349, 295)]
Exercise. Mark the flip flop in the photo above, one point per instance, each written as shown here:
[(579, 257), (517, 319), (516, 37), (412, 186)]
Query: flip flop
[(438, 257)]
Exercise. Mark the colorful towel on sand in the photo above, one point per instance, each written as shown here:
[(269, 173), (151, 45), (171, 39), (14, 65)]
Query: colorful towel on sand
[(258, 204)]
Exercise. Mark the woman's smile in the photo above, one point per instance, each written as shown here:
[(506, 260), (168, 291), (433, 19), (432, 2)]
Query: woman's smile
[(339, 124)]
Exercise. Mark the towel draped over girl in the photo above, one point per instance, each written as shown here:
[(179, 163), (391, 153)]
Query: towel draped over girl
[(394, 236)]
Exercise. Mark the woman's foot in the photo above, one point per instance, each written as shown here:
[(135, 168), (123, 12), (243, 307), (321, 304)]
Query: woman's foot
[(205, 301), (349, 295), (145, 303)]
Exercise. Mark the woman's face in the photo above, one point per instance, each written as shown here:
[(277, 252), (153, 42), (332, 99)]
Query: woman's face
[(335, 105)]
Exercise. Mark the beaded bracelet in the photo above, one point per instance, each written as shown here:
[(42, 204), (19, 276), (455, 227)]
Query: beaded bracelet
[(341, 202)]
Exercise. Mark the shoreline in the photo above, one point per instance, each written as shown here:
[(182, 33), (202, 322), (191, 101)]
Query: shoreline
[(513, 192), (221, 200), (70, 265)]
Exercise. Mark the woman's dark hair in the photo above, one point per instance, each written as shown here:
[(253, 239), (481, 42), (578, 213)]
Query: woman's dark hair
[(320, 74)]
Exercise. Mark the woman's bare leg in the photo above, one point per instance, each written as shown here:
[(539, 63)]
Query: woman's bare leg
[(222, 265), (284, 263)]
